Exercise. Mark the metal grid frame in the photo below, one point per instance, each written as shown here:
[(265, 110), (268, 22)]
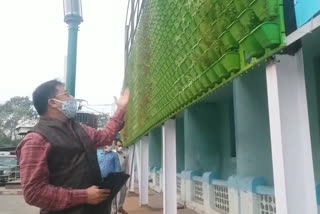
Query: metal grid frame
[(134, 11)]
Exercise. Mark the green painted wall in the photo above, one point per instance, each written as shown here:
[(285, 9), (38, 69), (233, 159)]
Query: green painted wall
[(180, 143), (155, 147), (312, 76), (252, 126)]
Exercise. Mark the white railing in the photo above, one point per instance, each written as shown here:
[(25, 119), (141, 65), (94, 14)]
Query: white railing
[(204, 194), (267, 202), (157, 179), (179, 184), (197, 189), (220, 199)]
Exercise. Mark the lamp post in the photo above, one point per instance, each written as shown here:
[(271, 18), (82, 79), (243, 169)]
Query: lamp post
[(73, 17)]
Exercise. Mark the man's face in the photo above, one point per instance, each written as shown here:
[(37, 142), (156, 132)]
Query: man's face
[(62, 95)]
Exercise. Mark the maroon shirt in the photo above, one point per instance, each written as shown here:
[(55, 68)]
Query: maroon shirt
[(32, 154)]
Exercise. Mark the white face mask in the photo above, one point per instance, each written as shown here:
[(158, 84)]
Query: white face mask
[(119, 149), (69, 107)]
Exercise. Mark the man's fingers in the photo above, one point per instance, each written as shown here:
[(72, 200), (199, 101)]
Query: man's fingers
[(104, 191), (126, 92), (102, 198), (104, 195)]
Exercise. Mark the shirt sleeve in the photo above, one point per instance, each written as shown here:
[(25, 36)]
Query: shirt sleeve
[(35, 178), (106, 136)]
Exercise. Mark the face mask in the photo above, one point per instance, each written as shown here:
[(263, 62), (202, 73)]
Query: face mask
[(69, 108), (119, 149)]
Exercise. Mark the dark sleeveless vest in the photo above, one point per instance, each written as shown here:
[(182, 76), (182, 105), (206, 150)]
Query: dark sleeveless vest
[(72, 161)]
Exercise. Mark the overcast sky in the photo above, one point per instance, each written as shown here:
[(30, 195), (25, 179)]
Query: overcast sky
[(33, 46)]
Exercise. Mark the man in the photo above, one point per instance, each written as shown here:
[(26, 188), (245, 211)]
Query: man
[(58, 161), (117, 204), (108, 161)]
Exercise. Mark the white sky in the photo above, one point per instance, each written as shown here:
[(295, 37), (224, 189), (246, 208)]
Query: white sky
[(33, 45)]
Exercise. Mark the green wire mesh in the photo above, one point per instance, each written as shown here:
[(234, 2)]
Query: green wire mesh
[(185, 49)]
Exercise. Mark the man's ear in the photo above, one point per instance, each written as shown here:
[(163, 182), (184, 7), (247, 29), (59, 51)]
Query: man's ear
[(52, 103)]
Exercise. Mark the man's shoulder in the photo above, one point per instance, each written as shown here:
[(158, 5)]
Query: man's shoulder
[(32, 140), (33, 136)]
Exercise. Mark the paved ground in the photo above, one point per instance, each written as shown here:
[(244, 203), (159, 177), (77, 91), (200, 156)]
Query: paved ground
[(154, 207), (12, 202), (15, 204)]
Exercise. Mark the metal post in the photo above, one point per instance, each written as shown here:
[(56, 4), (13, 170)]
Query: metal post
[(137, 159), (290, 136), (169, 160), (126, 54), (72, 59), (132, 180), (131, 170), (144, 171), (132, 22), (73, 17)]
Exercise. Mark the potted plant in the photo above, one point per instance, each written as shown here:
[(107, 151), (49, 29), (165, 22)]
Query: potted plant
[(249, 19), (231, 62), (251, 46), (266, 10), (228, 41), (268, 35), (238, 31)]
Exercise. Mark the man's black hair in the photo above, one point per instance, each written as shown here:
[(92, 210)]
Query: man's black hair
[(43, 93)]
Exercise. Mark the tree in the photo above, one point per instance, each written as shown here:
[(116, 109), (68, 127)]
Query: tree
[(15, 111), (103, 118), (5, 141)]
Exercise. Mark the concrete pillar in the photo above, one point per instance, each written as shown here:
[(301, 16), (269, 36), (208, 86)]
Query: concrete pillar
[(169, 167), (131, 167), (311, 58), (290, 136), (144, 171)]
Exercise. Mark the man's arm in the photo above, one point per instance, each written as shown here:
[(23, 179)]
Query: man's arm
[(35, 178), (106, 136)]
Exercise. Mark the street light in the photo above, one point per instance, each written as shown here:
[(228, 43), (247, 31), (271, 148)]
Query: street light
[(73, 17)]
